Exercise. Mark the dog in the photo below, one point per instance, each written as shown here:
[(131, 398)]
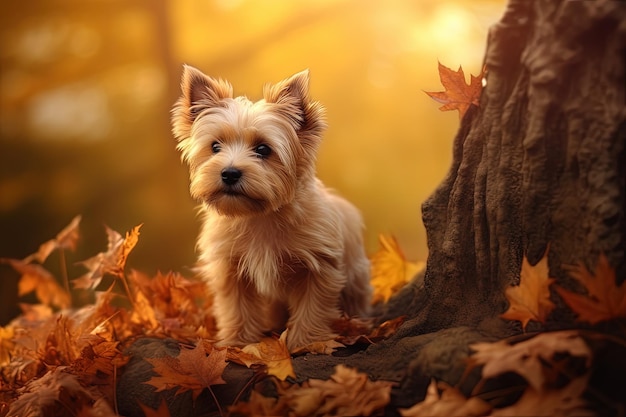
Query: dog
[(277, 248)]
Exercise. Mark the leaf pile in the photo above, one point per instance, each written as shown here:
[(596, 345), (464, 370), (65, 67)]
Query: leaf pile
[(60, 356)]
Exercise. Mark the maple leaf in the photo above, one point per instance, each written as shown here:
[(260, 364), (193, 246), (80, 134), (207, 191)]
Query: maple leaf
[(347, 393), (605, 300), (450, 403), (65, 239), (273, 353), (259, 405), (530, 300), (390, 269), (36, 278), (458, 95), (190, 370), (111, 262), (529, 358)]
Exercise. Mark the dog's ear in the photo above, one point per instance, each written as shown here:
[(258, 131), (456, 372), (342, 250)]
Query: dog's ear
[(199, 92), (292, 99)]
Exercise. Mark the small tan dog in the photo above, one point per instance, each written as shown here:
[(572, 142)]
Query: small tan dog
[(276, 246)]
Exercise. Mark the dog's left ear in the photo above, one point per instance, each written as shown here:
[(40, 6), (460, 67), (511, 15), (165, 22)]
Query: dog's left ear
[(199, 92), (292, 98)]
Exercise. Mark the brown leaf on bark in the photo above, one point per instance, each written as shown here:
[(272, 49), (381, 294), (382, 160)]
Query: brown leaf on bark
[(529, 358), (563, 402), (191, 370), (358, 330), (347, 393), (162, 411), (449, 403), (530, 300), (605, 300), (273, 353), (458, 95)]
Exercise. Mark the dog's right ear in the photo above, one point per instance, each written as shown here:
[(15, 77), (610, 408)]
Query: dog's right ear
[(199, 92)]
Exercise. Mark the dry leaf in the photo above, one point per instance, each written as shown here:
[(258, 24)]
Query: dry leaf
[(273, 353), (458, 95), (357, 330), (563, 402), (347, 393), (111, 262), (530, 300), (259, 405), (450, 403), (65, 239), (325, 347), (390, 269), (605, 300), (529, 358), (162, 411), (190, 370), (36, 278)]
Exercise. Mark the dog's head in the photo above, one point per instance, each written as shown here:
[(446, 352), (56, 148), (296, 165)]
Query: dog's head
[(247, 157)]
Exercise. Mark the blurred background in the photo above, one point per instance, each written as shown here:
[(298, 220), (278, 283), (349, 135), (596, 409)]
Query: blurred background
[(86, 88)]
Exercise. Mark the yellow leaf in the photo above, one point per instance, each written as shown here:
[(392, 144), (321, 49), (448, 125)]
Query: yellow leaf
[(530, 300), (274, 354), (390, 269), (605, 300)]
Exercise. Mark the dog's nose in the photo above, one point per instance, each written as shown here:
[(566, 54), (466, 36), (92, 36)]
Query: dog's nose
[(230, 175)]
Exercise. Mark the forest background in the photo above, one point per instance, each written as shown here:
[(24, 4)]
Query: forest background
[(86, 88)]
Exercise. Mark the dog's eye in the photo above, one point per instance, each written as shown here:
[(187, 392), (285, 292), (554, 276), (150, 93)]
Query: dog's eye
[(262, 151), (216, 147)]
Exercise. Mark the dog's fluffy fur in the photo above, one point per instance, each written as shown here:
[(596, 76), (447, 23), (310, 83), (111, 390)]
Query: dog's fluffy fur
[(276, 246)]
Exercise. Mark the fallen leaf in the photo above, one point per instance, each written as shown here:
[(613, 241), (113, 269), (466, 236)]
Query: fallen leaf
[(529, 358), (450, 403), (111, 262), (273, 353), (390, 270), (323, 347), (357, 330), (259, 405), (65, 239), (458, 95), (162, 411), (605, 300), (563, 402), (190, 370), (347, 393), (530, 300), (36, 278)]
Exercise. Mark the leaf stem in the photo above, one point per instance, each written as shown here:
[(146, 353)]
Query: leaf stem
[(122, 278), (217, 403), (66, 280)]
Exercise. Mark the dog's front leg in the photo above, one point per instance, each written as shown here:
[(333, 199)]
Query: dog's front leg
[(313, 306), (238, 309)]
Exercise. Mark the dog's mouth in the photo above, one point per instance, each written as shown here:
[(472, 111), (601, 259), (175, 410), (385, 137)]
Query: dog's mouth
[(227, 196)]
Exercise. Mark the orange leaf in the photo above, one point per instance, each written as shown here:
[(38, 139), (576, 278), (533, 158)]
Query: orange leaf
[(162, 411), (111, 262), (605, 300), (274, 354), (36, 278), (390, 269), (190, 370), (458, 94), (65, 239), (530, 300)]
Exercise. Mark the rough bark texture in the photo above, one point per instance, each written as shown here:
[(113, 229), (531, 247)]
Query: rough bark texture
[(541, 161)]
